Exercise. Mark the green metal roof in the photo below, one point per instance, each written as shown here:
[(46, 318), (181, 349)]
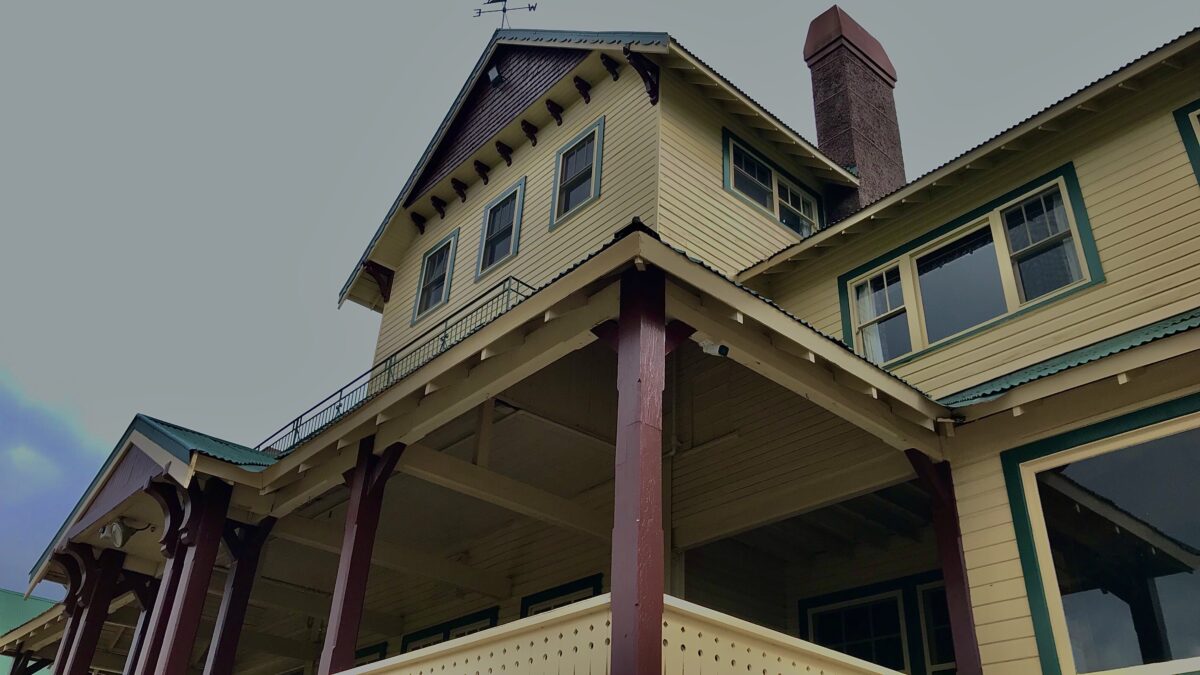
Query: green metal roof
[(1156, 331), (181, 442)]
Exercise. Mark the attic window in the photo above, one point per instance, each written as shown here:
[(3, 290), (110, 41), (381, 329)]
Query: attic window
[(494, 76)]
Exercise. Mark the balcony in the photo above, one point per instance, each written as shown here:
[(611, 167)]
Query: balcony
[(575, 639), (422, 349)]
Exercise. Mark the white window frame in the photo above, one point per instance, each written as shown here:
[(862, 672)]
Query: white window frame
[(514, 243), (898, 594), (450, 240), (930, 667), (910, 286), (1041, 537), (860, 344), (776, 180)]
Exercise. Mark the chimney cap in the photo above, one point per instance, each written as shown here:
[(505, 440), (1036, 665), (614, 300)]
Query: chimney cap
[(833, 27)]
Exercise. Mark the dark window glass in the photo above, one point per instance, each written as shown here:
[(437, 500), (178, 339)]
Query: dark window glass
[(575, 179), (1125, 543), (498, 240), (433, 280), (1042, 247), (939, 642), (752, 178), (796, 210), (960, 285), (869, 630), (883, 339)]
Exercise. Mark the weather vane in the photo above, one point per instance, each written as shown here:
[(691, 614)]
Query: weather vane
[(503, 10)]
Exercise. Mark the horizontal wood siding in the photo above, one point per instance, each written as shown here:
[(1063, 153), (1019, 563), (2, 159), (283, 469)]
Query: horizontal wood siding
[(696, 213), (628, 189), (1143, 202)]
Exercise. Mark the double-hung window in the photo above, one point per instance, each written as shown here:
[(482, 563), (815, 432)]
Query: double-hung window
[(753, 178), (437, 267), (577, 172), (501, 229), (1001, 259), (561, 596), (450, 630), (871, 629)]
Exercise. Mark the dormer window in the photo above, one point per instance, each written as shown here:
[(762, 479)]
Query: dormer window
[(577, 173), (437, 267), (751, 176)]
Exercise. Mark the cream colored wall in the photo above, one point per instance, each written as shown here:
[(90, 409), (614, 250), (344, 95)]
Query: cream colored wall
[(628, 189), (696, 213), (1143, 202)]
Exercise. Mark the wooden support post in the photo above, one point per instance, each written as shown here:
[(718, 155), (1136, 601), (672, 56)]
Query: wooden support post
[(70, 608), (167, 496), (99, 581), (146, 590), (199, 539), (637, 548), (367, 480), (245, 543), (937, 480)]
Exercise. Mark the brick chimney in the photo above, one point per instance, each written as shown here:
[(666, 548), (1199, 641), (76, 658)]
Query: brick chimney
[(852, 82)]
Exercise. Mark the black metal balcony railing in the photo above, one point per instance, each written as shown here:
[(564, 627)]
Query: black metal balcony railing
[(420, 350)]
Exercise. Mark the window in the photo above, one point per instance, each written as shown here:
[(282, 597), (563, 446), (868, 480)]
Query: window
[(1040, 242), (960, 285), (1027, 247), (883, 321), (433, 288), (501, 229), (460, 627), (871, 629), (1118, 544), (561, 596), (577, 173), (1188, 120), (935, 629), (752, 177)]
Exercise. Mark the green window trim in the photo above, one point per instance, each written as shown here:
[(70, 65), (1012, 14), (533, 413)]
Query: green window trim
[(596, 127), (908, 588), (1191, 138), (519, 189), (727, 140), (491, 615), (1011, 461), (370, 654), (594, 583), (1087, 242), (452, 239)]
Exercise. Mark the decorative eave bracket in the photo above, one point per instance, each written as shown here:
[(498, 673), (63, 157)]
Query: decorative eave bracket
[(647, 69), (383, 277)]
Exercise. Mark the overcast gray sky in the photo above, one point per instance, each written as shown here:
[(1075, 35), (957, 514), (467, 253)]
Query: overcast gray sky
[(185, 187)]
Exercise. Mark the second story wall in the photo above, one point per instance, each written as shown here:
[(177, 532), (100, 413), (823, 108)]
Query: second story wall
[(696, 212), (628, 188), (1140, 194)]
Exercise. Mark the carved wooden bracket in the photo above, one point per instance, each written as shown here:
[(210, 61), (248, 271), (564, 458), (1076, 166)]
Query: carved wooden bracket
[(383, 277), (505, 153), (647, 69), (439, 205), (585, 89), (610, 64), (530, 132), (419, 221), (482, 169), (556, 111), (460, 189)]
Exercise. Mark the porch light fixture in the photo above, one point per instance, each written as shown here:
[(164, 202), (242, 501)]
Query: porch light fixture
[(119, 531)]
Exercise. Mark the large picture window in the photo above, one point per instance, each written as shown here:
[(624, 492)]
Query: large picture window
[(1117, 542), (1030, 247), (437, 268), (577, 173), (753, 178)]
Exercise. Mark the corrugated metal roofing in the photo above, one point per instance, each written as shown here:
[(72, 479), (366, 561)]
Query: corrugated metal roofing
[(1114, 345), (187, 441)]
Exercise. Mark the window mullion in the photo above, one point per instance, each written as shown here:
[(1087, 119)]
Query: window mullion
[(912, 301), (1008, 273)]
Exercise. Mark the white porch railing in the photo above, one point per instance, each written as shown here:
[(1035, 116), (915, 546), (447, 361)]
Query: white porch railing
[(575, 639)]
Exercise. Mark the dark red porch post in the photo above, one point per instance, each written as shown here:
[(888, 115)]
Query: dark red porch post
[(200, 538), (245, 543), (99, 581), (637, 546), (146, 660), (367, 480), (145, 589), (937, 480), (70, 608)]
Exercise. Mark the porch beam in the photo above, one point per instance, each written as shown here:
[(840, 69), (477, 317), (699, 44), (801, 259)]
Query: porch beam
[(354, 564), (936, 479), (638, 566), (245, 543), (486, 485), (280, 595), (403, 558), (755, 350)]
